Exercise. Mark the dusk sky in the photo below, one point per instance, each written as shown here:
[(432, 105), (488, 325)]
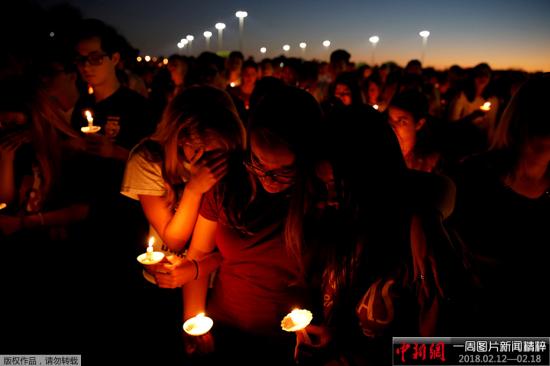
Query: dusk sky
[(506, 34)]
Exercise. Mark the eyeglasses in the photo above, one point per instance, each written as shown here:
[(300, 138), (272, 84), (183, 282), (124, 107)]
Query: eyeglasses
[(283, 176), (94, 59)]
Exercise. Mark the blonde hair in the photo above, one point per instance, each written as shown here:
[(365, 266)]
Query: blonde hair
[(48, 129), (199, 112)]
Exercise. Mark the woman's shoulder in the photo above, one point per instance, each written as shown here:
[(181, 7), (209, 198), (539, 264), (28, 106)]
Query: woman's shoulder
[(148, 150)]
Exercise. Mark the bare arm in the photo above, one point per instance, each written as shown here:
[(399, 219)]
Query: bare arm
[(176, 228), (194, 292), (62, 216)]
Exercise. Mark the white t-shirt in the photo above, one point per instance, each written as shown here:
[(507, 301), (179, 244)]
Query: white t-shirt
[(143, 176)]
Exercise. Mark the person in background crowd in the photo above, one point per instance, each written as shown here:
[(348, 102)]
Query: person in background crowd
[(502, 213)]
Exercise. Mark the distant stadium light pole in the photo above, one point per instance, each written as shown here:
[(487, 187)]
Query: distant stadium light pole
[(220, 27), (184, 42), (207, 35), (374, 41), (303, 46), (424, 34), (286, 48), (190, 39), (241, 15), (326, 44)]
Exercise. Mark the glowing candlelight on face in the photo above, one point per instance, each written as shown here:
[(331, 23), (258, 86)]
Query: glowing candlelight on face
[(375, 106), (198, 325), (296, 321), (486, 106), (150, 256)]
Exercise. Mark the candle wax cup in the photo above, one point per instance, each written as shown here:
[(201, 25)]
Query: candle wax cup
[(90, 129), (198, 325), (296, 320), (145, 258)]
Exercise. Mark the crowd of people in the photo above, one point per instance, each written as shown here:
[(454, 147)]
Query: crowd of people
[(388, 201)]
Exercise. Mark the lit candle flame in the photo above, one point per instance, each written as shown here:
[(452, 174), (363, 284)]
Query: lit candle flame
[(486, 106), (150, 256), (90, 90), (296, 320), (150, 249), (198, 325), (89, 117), (375, 106), (3, 206)]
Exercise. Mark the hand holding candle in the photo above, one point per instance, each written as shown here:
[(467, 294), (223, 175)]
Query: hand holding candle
[(150, 257), (296, 321), (198, 325)]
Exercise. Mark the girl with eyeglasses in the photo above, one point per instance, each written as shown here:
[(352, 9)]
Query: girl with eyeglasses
[(258, 281)]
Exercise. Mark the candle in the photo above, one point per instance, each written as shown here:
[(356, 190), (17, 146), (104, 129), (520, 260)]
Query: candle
[(486, 106), (89, 117), (150, 248), (150, 256), (90, 128), (198, 325), (296, 321)]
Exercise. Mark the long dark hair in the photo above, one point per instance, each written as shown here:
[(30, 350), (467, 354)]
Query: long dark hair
[(368, 232), (290, 117)]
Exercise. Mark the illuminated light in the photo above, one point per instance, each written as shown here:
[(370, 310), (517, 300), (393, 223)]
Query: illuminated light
[(180, 45), (326, 43), (232, 84), (282, 64), (150, 256), (296, 321), (486, 106), (220, 26), (424, 34), (189, 37), (198, 325), (90, 90), (3, 206), (165, 61), (374, 40), (139, 59), (184, 41), (90, 129), (375, 106), (241, 14), (286, 48), (150, 249), (303, 45), (154, 59), (263, 49), (207, 34), (147, 58), (52, 34)]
